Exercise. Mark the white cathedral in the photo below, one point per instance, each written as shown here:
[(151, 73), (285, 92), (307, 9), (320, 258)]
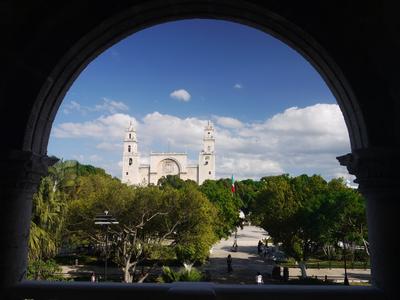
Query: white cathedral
[(167, 163)]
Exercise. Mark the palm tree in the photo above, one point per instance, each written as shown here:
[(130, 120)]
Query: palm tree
[(47, 220)]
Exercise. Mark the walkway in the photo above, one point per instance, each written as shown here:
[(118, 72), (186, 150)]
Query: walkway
[(246, 262)]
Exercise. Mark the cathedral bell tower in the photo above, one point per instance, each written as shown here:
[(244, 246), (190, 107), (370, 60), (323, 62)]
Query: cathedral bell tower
[(207, 155), (130, 157)]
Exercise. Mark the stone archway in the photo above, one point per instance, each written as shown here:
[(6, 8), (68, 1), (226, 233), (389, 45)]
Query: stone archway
[(357, 57)]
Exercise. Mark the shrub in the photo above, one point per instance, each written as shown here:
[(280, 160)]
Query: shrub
[(168, 275), (44, 270), (192, 275)]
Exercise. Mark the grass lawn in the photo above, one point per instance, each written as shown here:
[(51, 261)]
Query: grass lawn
[(325, 264)]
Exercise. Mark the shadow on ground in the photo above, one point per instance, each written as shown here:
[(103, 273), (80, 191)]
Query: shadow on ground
[(244, 270), (244, 249)]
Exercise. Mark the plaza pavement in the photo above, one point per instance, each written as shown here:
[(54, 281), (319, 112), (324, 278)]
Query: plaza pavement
[(246, 262)]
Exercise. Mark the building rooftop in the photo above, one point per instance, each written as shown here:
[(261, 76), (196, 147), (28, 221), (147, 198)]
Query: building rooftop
[(168, 153)]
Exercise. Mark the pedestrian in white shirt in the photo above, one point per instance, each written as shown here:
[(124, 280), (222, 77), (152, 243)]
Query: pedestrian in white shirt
[(259, 278)]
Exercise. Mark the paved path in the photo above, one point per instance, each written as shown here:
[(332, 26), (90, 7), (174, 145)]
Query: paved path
[(246, 262)]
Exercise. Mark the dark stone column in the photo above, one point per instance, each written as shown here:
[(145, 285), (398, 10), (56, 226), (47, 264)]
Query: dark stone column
[(21, 172), (378, 176)]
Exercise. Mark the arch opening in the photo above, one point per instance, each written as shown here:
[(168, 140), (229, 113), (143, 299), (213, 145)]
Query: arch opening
[(171, 168), (51, 98)]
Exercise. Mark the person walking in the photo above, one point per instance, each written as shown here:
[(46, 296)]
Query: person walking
[(93, 277), (235, 245), (259, 247), (229, 263), (259, 278)]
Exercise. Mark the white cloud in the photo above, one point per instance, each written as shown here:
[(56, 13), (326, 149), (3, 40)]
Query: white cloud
[(111, 106), (228, 122), (109, 146), (181, 95), (78, 157), (157, 131), (238, 86), (94, 158), (103, 128), (296, 141), (107, 106), (247, 166), (71, 106), (316, 119)]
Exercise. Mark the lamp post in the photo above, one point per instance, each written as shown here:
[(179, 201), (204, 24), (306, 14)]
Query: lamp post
[(105, 219), (346, 279)]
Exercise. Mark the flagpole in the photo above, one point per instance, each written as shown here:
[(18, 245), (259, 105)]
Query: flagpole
[(235, 245)]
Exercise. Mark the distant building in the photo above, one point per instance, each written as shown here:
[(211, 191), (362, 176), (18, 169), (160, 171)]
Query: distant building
[(167, 163)]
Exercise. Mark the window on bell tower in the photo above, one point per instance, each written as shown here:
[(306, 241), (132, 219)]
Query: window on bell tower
[(130, 161), (129, 148)]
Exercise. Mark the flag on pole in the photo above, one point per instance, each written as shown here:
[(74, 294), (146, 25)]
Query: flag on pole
[(233, 185)]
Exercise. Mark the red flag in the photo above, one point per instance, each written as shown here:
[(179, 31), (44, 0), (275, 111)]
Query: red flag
[(233, 185)]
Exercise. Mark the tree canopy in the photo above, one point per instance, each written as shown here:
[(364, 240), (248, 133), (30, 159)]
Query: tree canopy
[(305, 213), (181, 220), (228, 204)]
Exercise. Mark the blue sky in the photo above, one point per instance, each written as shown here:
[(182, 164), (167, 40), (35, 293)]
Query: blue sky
[(261, 95)]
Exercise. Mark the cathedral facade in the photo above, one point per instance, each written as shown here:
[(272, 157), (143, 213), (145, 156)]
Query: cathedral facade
[(167, 163)]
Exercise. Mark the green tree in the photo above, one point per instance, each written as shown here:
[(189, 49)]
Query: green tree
[(310, 193), (195, 234), (175, 182), (227, 203), (49, 209), (150, 219), (275, 208), (66, 174), (306, 213), (47, 221), (247, 191), (346, 209), (44, 270)]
